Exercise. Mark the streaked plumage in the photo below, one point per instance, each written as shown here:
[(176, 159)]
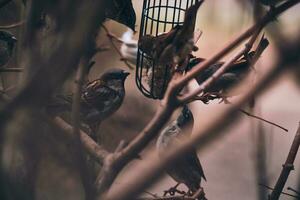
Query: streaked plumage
[(7, 43), (99, 100), (187, 169)]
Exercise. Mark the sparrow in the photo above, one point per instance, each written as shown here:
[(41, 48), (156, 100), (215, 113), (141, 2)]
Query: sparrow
[(169, 51), (7, 44), (234, 75), (99, 99), (186, 169)]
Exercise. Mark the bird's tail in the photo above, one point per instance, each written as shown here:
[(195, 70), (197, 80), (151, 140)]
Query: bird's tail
[(59, 104)]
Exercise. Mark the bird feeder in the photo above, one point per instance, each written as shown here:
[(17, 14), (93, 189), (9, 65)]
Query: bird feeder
[(158, 16)]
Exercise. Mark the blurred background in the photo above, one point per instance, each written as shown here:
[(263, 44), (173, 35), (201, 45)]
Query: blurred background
[(230, 163)]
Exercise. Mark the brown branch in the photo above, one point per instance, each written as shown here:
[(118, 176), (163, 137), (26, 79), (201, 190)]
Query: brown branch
[(262, 119), (116, 162), (111, 37), (287, 167), (97, 152), (80, 157), (11, 26)]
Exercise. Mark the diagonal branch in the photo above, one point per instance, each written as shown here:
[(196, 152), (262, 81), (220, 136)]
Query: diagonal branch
[(97, 152), (286, 167)]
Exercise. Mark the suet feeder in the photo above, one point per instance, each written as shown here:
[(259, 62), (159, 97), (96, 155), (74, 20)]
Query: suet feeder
[(158, 16)]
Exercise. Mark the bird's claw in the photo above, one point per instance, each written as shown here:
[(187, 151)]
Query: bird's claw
[(173, 190)]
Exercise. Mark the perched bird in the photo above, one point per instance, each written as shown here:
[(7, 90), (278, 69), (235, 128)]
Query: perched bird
[(7, 43), (170, 51), (187, 169), (99, 99), (234, 75)]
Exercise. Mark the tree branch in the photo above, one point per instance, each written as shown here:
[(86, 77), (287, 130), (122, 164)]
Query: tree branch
[(80, 157), (287, 167), (11, 26), (97, 152)]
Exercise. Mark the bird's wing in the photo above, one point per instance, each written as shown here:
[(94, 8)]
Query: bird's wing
[(191, 160), (96, 92), (194, 162)]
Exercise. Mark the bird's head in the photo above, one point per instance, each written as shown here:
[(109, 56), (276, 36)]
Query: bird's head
[(114, 75), (7, 36), (186, 117), (146, 44)]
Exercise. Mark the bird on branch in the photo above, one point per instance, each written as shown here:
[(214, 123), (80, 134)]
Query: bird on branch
[(234, 75), (99, 99), (170, 51), (7, 44), (186, 169)]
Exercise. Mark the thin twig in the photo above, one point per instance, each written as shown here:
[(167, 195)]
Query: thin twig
[(292, 189), (287, 167), (262, 119), (11, 26), (111, 38), (268, 187)]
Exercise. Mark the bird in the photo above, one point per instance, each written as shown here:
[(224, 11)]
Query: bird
[(100, 98), (169, 51), (186, 169), (7, 44), (234, 75)]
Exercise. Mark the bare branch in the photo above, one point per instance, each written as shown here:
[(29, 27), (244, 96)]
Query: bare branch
[(85, 173), (287, 167), (11, 26), (98, 152), (262, 119), (4, 3)]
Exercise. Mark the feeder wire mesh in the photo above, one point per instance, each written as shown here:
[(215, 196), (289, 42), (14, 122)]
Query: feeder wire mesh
[(158, 16)]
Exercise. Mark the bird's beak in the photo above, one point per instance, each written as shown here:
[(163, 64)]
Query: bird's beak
[(126, 74), (14, 39)]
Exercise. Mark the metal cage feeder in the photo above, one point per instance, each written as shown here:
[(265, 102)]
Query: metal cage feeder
[(158, 16)]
